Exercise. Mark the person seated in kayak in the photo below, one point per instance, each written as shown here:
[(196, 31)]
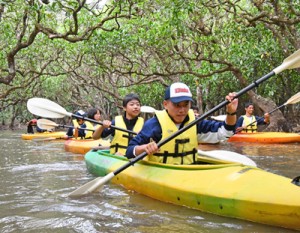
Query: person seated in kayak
[(248, 123), (30, 124), (95, 114), (33, 123), (177, 113), (79, 127), (130, 121), (196, 110)]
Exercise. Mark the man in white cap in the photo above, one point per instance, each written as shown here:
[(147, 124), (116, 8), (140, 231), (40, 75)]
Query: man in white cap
[(176, 114)]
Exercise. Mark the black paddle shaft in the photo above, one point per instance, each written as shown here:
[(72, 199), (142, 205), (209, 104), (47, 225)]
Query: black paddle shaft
[(101, 123), (205, 115), (72, 127)]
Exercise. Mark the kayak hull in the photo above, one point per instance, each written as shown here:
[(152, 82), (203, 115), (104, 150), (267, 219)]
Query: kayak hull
[(266, 137), (82, 146), (54, 135), (227, 189)]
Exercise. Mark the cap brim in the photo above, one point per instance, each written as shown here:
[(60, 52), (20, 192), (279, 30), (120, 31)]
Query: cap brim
[(177, 100)]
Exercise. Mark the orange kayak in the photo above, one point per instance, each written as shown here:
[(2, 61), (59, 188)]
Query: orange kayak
[(266, 137), (82, 146)]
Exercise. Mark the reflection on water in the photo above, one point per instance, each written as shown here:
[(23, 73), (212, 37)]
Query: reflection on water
[(36, 177)]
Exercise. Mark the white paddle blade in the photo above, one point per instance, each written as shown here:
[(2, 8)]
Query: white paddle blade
[(291, 62), (46, 124), (228, 156), (92, 186), (219, 118), (46, 108), (147, 109)]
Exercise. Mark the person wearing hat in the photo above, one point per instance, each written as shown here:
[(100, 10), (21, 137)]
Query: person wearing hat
[(177, 113), (79, 127), (248, 123), (130, 120), (30, 124), (33, 123)]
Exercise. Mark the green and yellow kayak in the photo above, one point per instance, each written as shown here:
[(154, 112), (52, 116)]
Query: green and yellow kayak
[(44, 135), (214, 186), (266, 137), (82, 146)]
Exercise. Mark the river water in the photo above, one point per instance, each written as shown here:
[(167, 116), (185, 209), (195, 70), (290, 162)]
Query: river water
[(36, 178)]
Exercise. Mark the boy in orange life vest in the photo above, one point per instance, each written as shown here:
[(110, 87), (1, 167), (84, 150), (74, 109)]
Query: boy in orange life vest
[(248, 122), (177, 114), (130, 121)]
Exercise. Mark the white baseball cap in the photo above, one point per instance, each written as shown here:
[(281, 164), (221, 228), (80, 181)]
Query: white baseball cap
[(178, 92)]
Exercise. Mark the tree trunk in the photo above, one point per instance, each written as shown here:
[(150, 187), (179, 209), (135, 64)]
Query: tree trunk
[(277, 120)]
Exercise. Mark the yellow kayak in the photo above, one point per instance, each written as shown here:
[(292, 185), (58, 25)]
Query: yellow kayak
[(266, 137), (52, 135), (82, 146), (214, 186)]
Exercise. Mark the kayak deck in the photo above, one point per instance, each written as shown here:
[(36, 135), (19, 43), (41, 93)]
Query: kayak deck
[(219, 187)]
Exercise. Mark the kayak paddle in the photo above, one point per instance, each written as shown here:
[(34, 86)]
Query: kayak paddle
[(46, 108), (147, 109), (228, 156), (293, 100), (47, 124), (291, 62)]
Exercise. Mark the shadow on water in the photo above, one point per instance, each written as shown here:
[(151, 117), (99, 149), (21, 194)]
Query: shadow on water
[(36, 177)]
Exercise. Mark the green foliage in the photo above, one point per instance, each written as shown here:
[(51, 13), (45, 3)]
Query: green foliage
[(97, 56)]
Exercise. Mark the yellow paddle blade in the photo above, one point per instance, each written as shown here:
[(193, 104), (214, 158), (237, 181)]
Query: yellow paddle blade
[(91, 186), (294, 99), (291, 62), (46, 124)]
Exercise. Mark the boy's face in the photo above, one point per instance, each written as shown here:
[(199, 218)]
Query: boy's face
[(80, 121), (133, 109), (178, 111)]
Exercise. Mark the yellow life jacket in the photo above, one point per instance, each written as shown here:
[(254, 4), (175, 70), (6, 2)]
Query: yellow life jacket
[(251, 128), (121, 139), (88, 133), (180, 150)]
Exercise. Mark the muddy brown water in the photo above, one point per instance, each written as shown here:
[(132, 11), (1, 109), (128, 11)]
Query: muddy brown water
[(36, 177)]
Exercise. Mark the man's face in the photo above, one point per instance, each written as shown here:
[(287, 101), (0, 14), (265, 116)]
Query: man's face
[(178, 111), (250, 109)]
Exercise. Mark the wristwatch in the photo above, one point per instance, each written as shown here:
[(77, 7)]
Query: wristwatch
[(231, 114)]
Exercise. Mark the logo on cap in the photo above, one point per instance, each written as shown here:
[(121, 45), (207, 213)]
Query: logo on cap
[(178, 92)]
